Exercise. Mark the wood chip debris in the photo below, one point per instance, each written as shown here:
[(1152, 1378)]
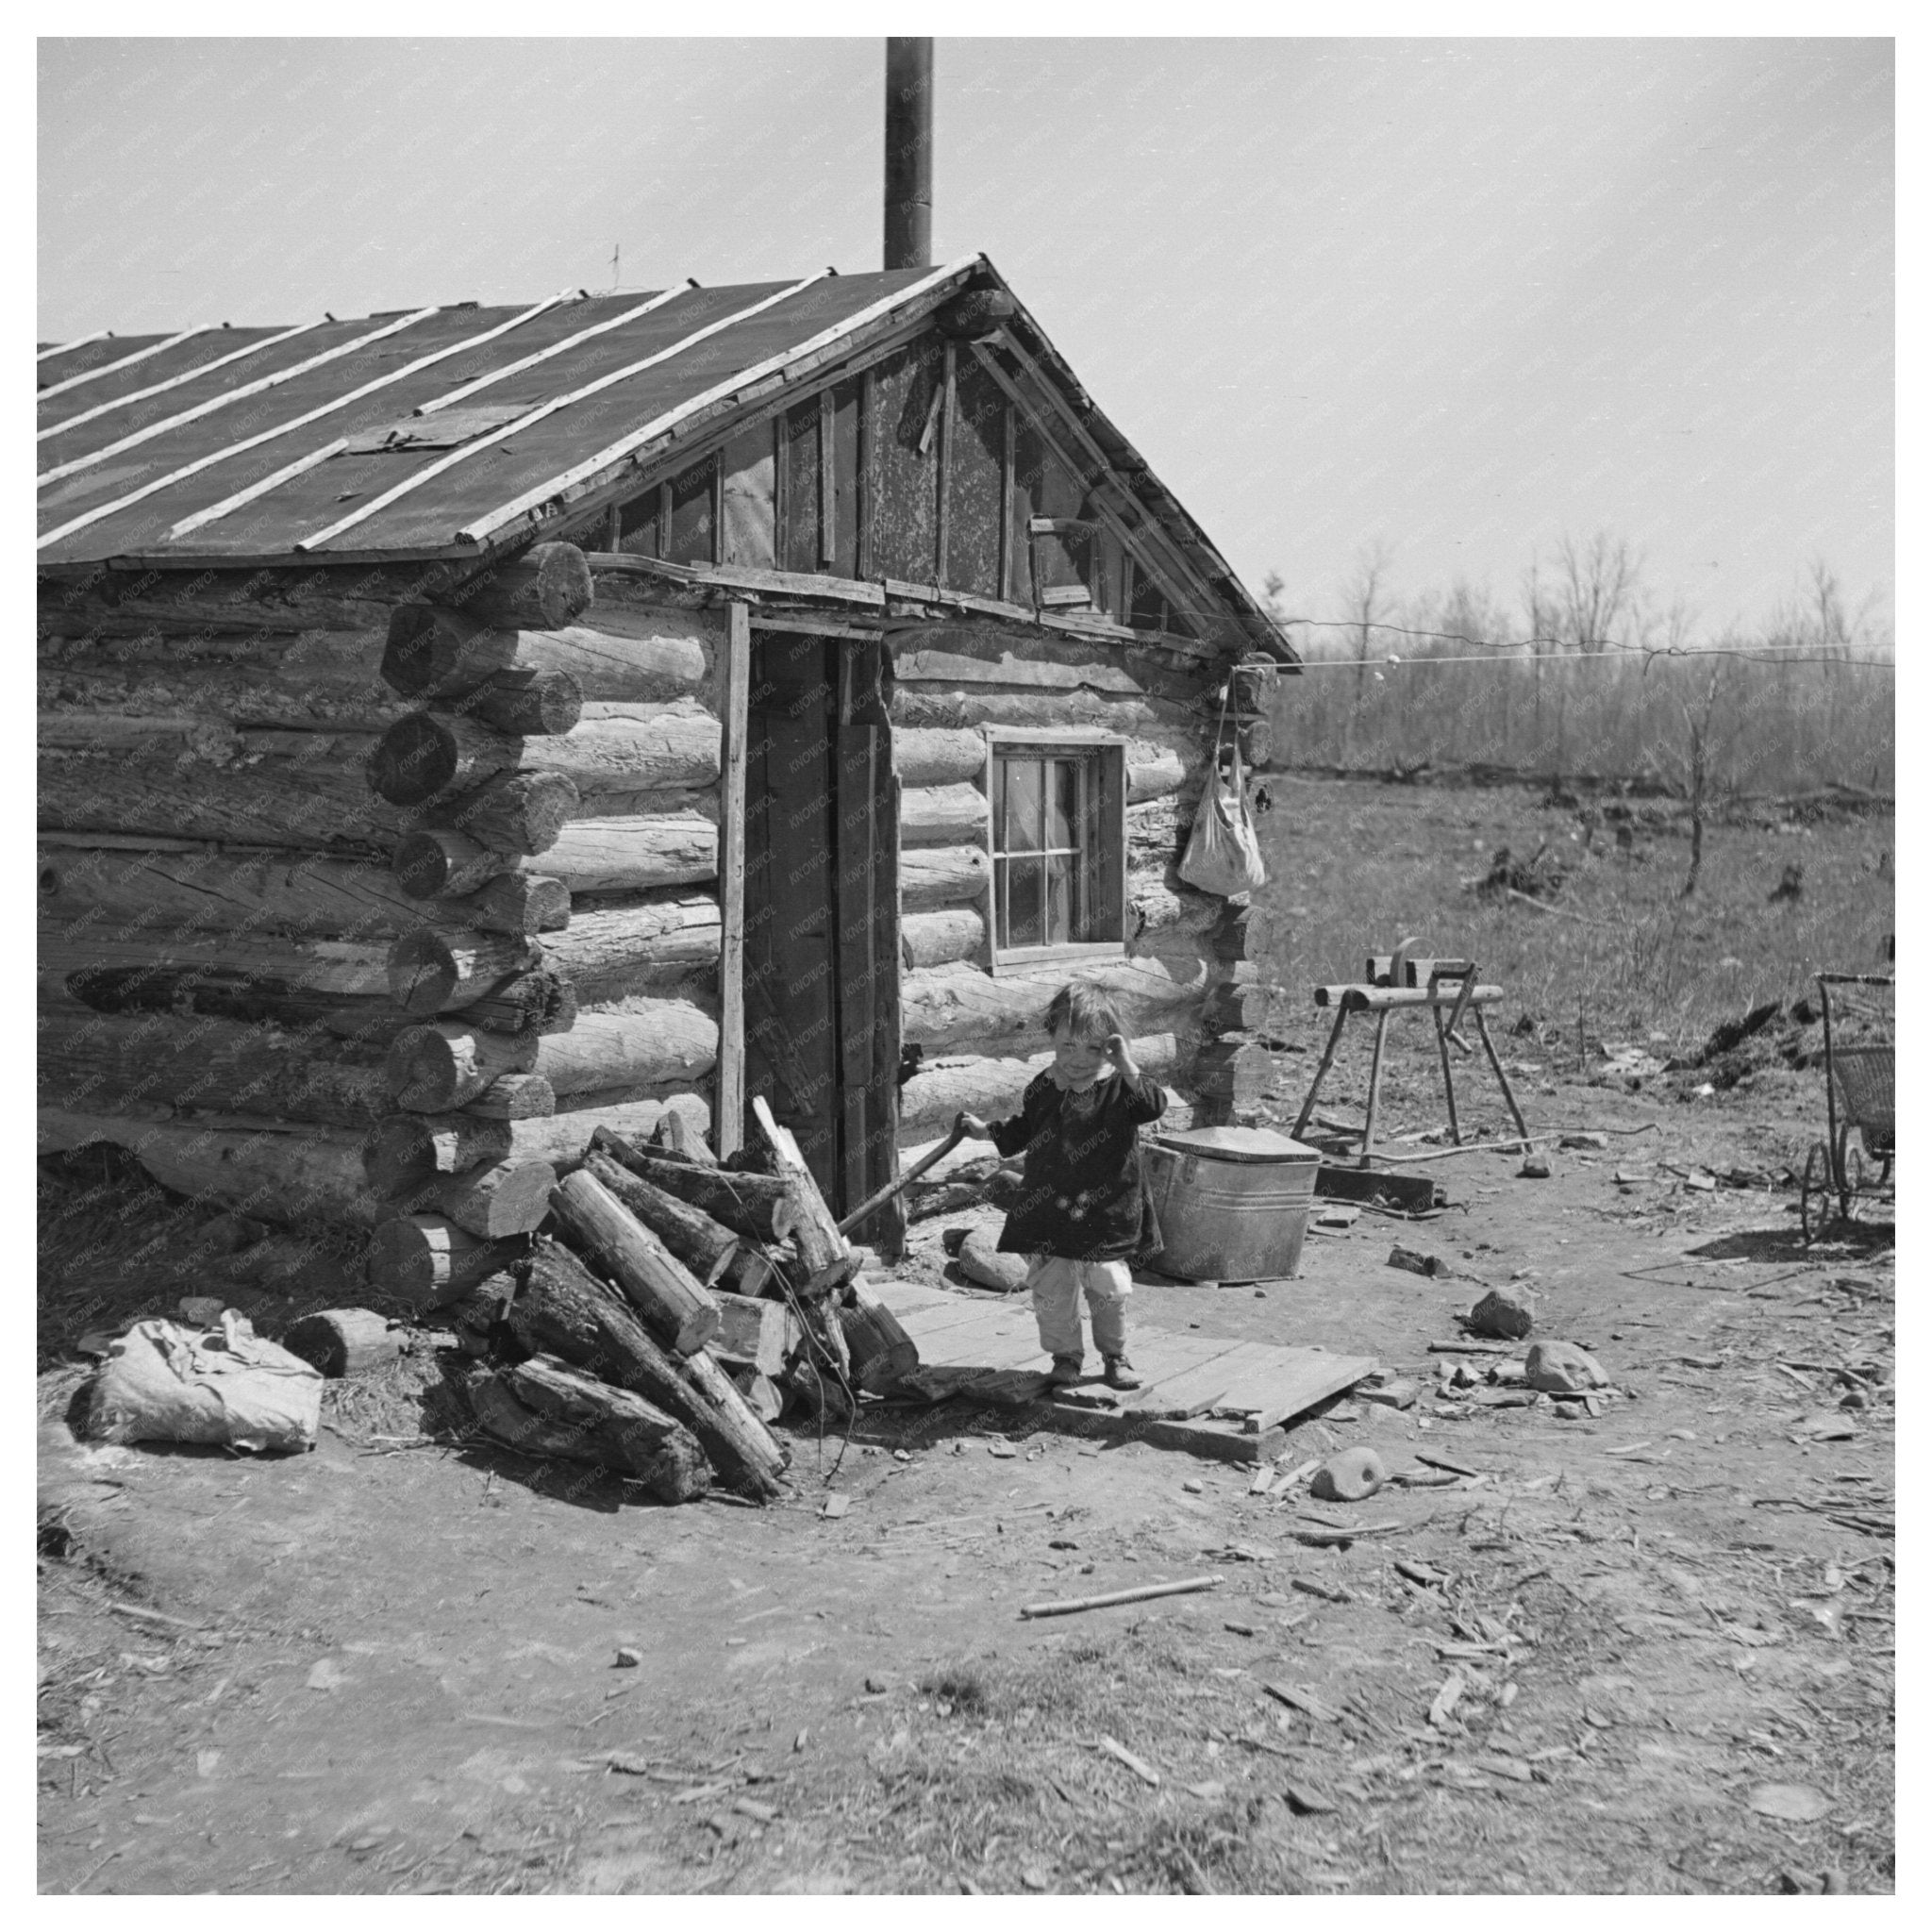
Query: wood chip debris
[(1298, 1698), (1446, 1699), (1139, 1766)]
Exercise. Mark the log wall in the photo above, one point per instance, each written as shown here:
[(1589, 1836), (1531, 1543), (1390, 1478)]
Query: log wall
[(376, 882), (408, 877)]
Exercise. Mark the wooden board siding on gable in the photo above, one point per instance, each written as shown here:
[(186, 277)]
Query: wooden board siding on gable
[(905, 497), (760, 502), (974, 468)]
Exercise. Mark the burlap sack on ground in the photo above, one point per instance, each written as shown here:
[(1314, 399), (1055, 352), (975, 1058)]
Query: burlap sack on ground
[(164, 1383)]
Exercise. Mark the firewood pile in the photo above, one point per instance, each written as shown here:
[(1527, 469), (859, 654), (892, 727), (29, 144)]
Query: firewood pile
[(669, 1309)]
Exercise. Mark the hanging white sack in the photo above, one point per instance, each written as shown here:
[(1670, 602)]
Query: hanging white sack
[(164, 1383), (1223, 856)]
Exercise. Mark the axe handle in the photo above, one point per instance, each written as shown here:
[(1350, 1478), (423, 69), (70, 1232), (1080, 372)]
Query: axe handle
[(875, 1202)]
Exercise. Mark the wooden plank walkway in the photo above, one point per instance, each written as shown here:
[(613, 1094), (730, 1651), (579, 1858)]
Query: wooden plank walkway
[(1198, 1393)]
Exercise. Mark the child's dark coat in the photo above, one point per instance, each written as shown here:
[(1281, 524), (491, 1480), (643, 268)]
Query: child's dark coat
[(1082, 1193)]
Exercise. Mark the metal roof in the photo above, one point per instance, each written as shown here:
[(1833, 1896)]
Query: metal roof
[(457, 431)]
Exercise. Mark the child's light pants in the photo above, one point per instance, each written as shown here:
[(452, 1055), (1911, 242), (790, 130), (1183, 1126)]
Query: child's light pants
[(1056, 1283)]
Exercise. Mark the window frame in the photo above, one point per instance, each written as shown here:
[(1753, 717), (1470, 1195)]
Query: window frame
[(1101, 747)]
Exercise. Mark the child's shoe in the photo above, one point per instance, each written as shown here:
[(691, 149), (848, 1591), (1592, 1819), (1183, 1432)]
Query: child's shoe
[(1120, 1373), (1066, 1371)]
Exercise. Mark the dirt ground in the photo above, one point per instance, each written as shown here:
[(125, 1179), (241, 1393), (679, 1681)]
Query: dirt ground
[(1590, 1666)]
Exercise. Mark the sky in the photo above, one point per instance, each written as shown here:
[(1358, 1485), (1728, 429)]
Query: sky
[(1453, 297)]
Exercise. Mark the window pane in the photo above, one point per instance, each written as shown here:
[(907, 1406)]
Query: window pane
[(1059, 900), (1062, 813), (1021, 815), (1025, 912)]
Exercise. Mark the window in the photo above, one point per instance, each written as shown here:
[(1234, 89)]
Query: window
[(1058, 808)]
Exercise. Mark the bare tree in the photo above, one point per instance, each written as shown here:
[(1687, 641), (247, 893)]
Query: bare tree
[(1697, 726), (1365, 600), (1597, 590)]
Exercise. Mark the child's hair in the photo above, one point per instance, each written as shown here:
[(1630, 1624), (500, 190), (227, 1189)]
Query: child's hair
[(1084, 1011)]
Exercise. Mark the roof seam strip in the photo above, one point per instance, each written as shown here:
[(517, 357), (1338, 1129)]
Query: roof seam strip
[(56, 388), (78, 343), (141, 395), (222, 402), (491, 438), (569, 342), (483, 527), (247, 443)]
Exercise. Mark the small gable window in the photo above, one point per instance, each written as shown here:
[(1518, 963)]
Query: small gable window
[(1058, 811)]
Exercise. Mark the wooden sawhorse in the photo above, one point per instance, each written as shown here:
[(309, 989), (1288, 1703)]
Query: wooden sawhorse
[(1445, 988)]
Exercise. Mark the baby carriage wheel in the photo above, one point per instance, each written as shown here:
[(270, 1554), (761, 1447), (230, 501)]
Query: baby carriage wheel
[(1814, 1192)]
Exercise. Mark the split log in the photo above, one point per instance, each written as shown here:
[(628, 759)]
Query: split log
[(730, 1412), (703, 1245), (939, 939), (548, 586), (443, 969), (280, 788), (935, 875), (638, 947), (600, 855), (345, 1341), (313, 1175), (942, 815), (880, 1349), (519, 813), (512, 1197), (673, 1303), (97, 1060), (954, 1007), (938, 757), (752, 1204), (561, 1309), (761, 1395), (407, 1152), (676, 1139), (427, 756), (945, 1088), (755, 1333), (545, 1408), (434, 653), (824, 1254), (426, 1260), (516, 1097)]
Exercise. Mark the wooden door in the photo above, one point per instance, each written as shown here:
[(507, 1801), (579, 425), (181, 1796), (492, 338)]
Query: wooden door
[(821, 911)]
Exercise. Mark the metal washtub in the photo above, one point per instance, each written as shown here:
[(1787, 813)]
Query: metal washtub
[(1233, 1203)]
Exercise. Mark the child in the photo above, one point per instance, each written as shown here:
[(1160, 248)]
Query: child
[(1080, 1212)]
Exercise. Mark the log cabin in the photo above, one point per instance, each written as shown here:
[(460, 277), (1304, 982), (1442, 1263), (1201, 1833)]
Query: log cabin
[(464, 728)]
